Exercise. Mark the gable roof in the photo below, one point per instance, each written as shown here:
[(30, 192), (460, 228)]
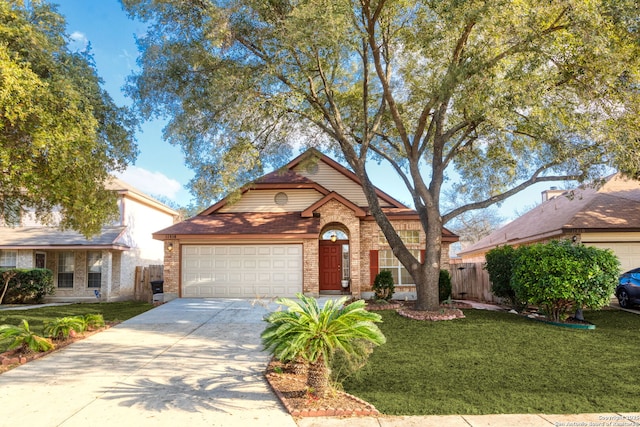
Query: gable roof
[(614, 207), (126, 189)]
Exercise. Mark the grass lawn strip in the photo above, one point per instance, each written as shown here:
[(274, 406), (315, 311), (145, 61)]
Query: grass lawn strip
[(112, 312), (495, 362)]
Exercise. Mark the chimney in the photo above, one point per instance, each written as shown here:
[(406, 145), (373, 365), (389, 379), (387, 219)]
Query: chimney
[(551, 193)]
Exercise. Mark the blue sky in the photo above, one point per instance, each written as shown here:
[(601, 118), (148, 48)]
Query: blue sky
[(160, 169)]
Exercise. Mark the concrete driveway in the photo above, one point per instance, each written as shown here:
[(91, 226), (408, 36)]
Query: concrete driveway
[(188, 362)]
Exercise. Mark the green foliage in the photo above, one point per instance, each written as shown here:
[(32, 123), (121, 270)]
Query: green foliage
[(444, 285), (315, 334), (37, 317), (22, 336), (61, 133), (499, 265), (28, 286), (61, 328), (560, 276), (503, 94), (93, 321), (383, 286)]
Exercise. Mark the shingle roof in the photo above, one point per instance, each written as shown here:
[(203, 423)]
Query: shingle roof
[(246, 223), (40, 237), (614, 207)]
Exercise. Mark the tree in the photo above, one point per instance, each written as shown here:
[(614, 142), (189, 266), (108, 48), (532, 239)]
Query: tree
[(471, 226), (61, 135), (312, 333), (501, 93)]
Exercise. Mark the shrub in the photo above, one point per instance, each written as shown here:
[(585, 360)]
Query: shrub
[(561, 276), (499, 265), (444, 285), (61, 328), (383, 286), (94, 321), (23, 337), (28, 286)]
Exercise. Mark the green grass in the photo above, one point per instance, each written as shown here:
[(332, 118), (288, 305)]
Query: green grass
[(111, 311), (495, 362)]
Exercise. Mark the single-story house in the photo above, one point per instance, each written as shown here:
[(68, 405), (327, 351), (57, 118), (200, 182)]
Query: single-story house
[(101, 268), (304, 228), (605, 217)]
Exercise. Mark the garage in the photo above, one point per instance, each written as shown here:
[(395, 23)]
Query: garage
[(241, 271), (627, 252)]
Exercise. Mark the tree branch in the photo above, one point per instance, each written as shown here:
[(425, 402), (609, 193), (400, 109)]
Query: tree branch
[(535, 178)]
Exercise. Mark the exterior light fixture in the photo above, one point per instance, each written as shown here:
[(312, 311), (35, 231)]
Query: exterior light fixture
[(334, 237), (170, 247)]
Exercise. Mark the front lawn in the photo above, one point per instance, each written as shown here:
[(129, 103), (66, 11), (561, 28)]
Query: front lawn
[(111, 311), (496, 362)]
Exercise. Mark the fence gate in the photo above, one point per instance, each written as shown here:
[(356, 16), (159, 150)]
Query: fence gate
[(471, 280), (144, 277)]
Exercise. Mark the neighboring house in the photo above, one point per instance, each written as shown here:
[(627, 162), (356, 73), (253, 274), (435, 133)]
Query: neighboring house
[(103, 266), (608, 217), (304, 228)]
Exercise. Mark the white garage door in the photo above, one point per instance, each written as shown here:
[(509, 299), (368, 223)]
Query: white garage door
[(245, 271), (628, 253)]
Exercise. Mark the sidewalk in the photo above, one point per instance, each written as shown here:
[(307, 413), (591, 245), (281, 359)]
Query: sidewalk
[(508, 420)]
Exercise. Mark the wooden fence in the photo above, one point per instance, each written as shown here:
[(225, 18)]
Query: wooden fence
[(471, 281), (143, 278)]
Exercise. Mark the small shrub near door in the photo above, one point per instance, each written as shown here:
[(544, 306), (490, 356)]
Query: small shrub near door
[(383, 286)]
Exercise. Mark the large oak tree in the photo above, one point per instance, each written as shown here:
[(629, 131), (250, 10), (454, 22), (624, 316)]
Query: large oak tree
[(498, 94), (61, 135)]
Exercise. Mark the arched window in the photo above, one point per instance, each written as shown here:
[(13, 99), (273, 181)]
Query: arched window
[(339, 235)]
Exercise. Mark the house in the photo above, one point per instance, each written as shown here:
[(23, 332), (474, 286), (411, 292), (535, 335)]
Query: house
[(102, 267), (305, 228), (606, 217)]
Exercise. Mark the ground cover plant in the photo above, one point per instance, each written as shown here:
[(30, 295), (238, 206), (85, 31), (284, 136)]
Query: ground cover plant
[(496, 362), (37, 318)]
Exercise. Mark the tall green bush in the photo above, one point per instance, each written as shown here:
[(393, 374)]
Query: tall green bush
[(383, 286), (561, 276), (444, 285), (28, 286), (499, 265)]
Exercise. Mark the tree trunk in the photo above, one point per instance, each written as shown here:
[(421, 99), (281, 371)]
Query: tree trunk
[(428, 275), (318, 377), (6, 276)]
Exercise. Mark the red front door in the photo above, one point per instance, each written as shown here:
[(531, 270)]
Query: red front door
[(330, 266)]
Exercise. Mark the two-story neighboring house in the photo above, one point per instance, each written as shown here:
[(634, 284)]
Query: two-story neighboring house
[(102, 267), (305, 228)]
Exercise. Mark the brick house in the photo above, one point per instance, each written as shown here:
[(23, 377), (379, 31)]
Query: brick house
[(101, 268), (302, 228)]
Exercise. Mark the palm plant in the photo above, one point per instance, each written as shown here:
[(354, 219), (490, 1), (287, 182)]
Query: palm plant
[(312, 333), (94, 321), (61, 328), (23, 337)]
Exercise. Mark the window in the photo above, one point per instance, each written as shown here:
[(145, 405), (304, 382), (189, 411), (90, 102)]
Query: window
[(345, 262), (339, 235), (66, 267), (7, 259), (387, 261), (407, 236), (94, 269)]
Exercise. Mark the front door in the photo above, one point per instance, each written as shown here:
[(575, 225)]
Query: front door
[(330, 265)]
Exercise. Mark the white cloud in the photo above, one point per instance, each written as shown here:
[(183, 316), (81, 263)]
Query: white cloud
[(152, 183), (78, 41)]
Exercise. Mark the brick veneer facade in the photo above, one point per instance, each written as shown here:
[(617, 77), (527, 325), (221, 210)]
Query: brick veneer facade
[(363, 237)]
